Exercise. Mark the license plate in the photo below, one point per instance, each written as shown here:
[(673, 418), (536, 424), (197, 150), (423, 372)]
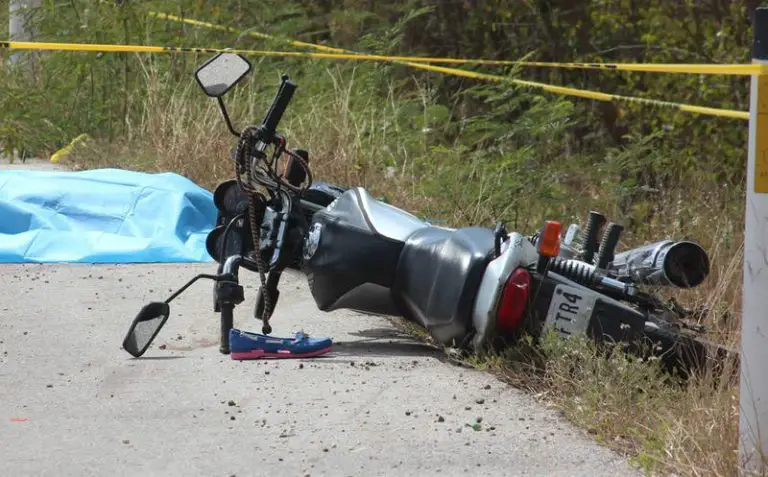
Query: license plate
[(570, 310)]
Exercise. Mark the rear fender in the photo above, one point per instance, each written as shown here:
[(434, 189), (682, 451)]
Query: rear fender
[(517, 251)]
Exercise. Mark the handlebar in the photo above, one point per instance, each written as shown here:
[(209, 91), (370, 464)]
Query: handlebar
[(280, 103)]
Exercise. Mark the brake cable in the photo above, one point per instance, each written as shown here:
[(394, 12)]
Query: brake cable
[(257, 201)]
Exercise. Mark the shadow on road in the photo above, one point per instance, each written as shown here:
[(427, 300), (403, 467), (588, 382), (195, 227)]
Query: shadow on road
[(156, 358), (364, 349), (383, 343)]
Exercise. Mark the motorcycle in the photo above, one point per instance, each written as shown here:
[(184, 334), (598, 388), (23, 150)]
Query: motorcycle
[(472, 288)]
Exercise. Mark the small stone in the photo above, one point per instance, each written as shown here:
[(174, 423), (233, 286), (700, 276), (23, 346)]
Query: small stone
[(480, 400), (231, 403), (49, 385), (440, 419)]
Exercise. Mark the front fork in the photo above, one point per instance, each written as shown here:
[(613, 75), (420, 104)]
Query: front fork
[(228, 293)]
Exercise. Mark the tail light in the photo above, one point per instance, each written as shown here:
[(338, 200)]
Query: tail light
[(514, 299)]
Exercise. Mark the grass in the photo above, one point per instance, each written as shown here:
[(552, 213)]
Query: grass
[(391, 139)]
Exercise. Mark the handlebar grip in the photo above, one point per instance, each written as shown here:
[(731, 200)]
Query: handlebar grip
[(275, 113)]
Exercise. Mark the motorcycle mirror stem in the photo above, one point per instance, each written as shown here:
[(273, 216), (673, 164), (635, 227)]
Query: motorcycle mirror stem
[(226, 117)]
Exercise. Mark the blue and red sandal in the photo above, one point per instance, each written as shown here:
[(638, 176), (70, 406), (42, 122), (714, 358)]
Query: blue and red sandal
[(246, 345)]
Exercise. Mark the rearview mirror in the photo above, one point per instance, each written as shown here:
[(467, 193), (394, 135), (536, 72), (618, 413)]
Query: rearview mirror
[(219, 74), (145, 327)]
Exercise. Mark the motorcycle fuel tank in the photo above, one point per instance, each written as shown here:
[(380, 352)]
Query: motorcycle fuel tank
[(351, 252)]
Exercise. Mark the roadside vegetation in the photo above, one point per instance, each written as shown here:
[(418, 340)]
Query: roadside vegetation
[(453, 150)]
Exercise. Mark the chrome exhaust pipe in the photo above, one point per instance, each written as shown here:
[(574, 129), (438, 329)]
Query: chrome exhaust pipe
[(667, 263)]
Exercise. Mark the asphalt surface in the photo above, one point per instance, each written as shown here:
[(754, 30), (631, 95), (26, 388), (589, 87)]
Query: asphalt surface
[(74, 403)]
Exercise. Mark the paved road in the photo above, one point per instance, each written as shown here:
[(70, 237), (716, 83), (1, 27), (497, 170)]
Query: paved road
[(30, 164), (74, 403)]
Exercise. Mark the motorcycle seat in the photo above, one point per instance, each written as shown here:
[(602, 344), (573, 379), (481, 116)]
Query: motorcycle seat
[(387, 220), (438, 276)]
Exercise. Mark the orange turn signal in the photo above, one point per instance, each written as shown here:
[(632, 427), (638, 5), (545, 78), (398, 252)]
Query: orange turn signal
[(549, 240)]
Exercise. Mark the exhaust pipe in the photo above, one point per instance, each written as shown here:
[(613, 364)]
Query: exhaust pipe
[(666, 263)]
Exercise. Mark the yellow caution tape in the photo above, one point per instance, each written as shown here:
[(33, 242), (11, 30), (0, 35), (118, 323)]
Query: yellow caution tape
[(583, 93), (412, 61), (700, 69), (21, 45), (105, 48), (263, 36), (67, 150), (706, 69)]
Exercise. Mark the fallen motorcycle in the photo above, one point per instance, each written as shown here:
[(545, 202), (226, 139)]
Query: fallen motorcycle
[(472, 288)]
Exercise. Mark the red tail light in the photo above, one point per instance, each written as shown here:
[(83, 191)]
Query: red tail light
[(514, 299)]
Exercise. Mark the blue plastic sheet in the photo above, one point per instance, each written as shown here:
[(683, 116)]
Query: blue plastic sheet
[(103, 216)]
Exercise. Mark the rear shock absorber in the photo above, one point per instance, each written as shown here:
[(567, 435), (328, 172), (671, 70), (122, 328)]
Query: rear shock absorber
[(575, 270), (595, 222), (587, 275), (608, 245)]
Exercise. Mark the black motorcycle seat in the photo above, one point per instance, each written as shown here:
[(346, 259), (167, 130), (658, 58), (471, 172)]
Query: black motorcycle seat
[(438, 276), (386, 220)]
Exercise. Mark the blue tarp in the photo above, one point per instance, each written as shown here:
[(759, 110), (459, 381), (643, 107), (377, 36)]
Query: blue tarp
[(103, 216)]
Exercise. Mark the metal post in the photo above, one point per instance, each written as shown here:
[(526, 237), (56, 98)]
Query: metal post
[(753, 421)]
